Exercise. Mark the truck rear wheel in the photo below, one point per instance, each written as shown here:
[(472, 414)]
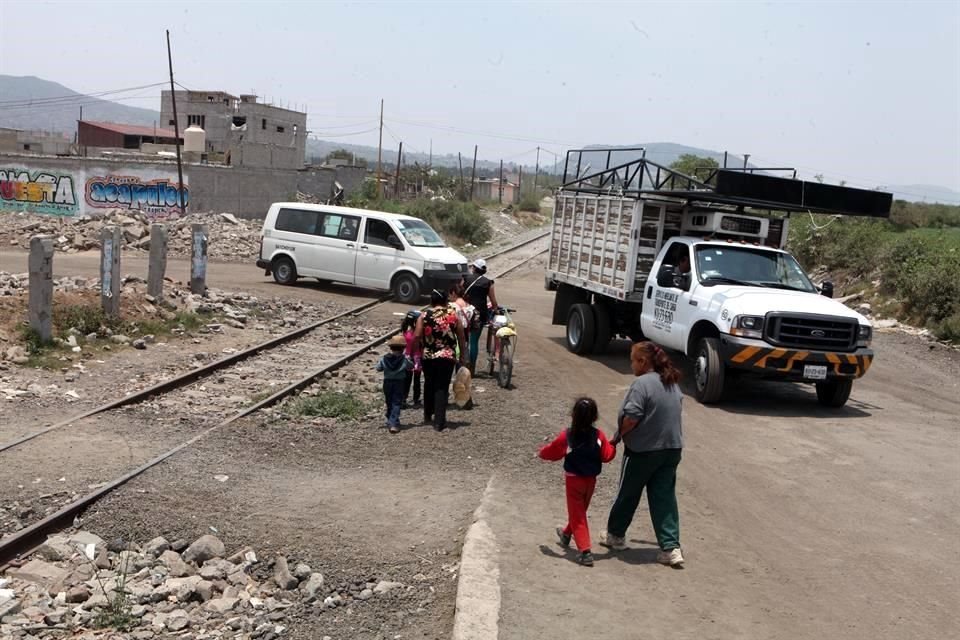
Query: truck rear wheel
[(709, 371), (604, 330), (581, 329), (834, 393)]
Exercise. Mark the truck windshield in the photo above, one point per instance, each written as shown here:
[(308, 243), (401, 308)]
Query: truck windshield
[(418, 233), (750, 266)]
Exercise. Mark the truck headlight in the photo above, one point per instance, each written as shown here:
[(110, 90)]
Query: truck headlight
[(433, 266), (747, 326), (864, 335)]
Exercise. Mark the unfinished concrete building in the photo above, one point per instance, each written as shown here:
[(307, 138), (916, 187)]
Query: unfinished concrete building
[(241, 131)]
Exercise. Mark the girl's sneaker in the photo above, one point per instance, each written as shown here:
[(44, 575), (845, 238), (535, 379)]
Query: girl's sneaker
[(564, 538), (586, 559)]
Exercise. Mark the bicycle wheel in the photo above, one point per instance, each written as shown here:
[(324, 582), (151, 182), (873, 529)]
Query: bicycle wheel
[(506, 363), (491, 352)]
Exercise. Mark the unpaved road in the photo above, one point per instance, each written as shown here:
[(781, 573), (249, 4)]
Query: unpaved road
[(797, 522)]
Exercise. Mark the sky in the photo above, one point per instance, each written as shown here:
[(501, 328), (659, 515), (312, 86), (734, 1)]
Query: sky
[(867, 92)]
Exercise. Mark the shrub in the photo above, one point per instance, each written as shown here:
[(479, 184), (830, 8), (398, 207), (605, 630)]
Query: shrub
[(529, 202), (949, 329), (329, 404), (922, 268)]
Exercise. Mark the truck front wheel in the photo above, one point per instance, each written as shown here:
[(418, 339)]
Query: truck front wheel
[(834, 393), (581, 329), (709, 371)]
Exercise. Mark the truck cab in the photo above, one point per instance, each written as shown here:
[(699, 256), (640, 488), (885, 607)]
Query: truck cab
[(739, 308)]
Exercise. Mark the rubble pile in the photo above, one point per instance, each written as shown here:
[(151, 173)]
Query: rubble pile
[(77, 583), (230, 239)]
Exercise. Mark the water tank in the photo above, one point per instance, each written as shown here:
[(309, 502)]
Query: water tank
[(195, 140)]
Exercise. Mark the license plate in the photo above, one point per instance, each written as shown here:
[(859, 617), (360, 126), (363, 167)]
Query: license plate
[(815, 371)]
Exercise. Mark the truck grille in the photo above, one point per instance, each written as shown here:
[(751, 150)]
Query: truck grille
[(801, 331), (456, 268)]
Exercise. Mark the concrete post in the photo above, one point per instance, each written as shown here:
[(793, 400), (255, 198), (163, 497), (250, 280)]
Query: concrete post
[(41, 286), (198, 259), (157, 266), (110, 243)]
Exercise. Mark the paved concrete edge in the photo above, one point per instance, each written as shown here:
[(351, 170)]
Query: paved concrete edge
[(478, 589)]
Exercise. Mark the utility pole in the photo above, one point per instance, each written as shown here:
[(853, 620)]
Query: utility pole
[(536, 172), (746, 157), (76, 137), (460, 162), (396, 181), (500, 192), (473, 172), (176, 133), (380, 153), (430, 161)]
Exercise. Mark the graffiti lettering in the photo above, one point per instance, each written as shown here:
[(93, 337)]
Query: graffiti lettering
[(157, 198), (41, 193)]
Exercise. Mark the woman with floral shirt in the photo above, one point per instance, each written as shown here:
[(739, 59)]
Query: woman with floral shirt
[(439, 334)]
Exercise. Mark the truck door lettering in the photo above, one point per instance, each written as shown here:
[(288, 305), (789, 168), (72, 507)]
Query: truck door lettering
[(664, 308)]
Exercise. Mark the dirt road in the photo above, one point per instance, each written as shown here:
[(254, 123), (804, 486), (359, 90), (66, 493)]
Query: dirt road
[(797, 522)]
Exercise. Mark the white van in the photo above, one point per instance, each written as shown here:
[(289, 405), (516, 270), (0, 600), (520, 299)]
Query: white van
[(365, 248)]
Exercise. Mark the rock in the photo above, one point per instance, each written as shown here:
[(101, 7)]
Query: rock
[(229, 217), (102, 558), (177, 567), (177, 620), (885, 323), (40, 572), (56, 550), (282, 575), (78, 594), (156, 546), (179, 545), (119, 338), (216, 569), (302, 571), (58, 616), (9, 608), (366, 594), (205, 590), (139, 343), (221, 605), (385, 587), (138, 611), (204, 548), (312, 585)]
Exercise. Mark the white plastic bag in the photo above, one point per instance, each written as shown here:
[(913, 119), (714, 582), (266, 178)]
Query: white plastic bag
[(461, 387)]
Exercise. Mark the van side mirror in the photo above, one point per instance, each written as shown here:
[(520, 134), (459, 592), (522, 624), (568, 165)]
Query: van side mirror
[(394, 242), (826, 289)]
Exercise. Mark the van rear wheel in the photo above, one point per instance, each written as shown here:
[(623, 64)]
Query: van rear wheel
[(406, 288), (284, 271)]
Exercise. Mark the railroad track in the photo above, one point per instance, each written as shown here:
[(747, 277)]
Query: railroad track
[(191, 388)]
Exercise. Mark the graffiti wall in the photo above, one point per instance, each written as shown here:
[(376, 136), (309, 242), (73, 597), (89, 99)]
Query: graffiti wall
[(84, 189)]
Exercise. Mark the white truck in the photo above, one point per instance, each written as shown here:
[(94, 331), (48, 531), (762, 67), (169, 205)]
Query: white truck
[(698, 266)]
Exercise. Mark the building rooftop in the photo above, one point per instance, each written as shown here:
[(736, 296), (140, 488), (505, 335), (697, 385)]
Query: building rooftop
[(133, 129)]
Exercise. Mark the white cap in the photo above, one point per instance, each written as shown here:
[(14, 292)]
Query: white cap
[(480, 263)]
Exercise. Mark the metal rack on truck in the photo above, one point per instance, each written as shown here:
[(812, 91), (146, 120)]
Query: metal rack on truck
[(697, 264)]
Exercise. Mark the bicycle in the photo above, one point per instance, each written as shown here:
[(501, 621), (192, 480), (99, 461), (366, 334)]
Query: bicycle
[(501, 345)]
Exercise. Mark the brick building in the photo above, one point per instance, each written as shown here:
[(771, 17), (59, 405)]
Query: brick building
[(122, 136)]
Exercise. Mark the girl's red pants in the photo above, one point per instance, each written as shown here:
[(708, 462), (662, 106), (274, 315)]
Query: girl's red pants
[(579, 491)]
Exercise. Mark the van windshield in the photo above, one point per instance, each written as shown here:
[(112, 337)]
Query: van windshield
[(418, 233)]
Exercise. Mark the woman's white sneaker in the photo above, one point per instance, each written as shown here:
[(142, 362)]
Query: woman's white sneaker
[(672, 557)]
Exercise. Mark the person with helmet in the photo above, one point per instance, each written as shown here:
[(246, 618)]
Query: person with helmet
[(477, 289)]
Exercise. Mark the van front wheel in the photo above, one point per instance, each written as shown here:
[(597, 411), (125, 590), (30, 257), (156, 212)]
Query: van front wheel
[(284, 271), (406, 288)]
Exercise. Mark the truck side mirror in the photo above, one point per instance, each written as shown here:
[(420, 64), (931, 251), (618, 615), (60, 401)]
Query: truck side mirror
[(665, 276), (826, 289)]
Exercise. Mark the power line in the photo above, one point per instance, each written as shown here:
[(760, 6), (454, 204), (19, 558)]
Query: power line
[(32, 102)]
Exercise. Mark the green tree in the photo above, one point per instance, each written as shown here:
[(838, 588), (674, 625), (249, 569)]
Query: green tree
[(694, 166)]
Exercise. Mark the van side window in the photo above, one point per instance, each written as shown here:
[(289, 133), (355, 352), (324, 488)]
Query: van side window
[(338, 226), (297, 221), (378, 233)]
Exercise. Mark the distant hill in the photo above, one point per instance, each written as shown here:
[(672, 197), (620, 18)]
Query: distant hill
[(61, 114), (925, 193)]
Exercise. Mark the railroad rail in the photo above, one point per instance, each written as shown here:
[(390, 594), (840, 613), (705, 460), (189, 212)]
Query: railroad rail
[(25, 540)]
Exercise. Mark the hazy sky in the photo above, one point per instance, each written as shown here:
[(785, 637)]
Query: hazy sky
[(863, 91)]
